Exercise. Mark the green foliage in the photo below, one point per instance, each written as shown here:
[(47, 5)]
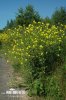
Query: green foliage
[(26, 17), (59, 16), (16, 66), (53, 88), (36, 52), (20, 17), (1, 30), (37, 88), (10, 24), (47, 20)]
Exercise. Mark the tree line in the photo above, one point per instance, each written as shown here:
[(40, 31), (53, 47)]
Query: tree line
[(29, 14)]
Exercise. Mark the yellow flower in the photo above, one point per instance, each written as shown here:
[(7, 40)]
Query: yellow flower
[(7, 61), (5, 53), (41, 46), (41, 53)]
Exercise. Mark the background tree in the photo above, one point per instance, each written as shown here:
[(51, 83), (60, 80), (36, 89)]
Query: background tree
[(20, 17), (47, 20), (10, 24), (26, 17), (59, 16)]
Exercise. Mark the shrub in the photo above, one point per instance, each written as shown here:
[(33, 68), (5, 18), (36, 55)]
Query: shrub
[(38, 49)]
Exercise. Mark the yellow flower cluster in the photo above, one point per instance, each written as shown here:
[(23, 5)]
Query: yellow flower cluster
[(4, 38), (25, 42)]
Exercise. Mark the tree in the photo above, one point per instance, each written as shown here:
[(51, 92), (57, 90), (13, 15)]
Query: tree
[(20, 17), (27, 16), (10, 24), (47, 20), (59, 16)]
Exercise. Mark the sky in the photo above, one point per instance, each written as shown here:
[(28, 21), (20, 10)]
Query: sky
[(9, 8)]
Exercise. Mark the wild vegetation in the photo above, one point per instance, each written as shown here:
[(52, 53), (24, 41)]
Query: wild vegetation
[(37, 50)]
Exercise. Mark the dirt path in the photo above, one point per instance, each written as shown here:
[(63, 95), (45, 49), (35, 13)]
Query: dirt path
[(5, 74), (5, 78)]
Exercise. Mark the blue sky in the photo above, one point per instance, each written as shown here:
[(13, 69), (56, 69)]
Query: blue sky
[(9, 8)]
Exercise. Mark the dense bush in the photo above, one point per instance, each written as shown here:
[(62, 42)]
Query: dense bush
[(36, 51)]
